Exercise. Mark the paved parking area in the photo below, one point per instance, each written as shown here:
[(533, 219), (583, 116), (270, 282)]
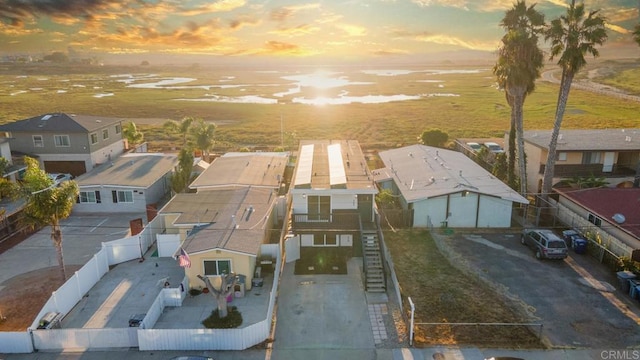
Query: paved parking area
[(575, 299), (82, 238), (322, 312)]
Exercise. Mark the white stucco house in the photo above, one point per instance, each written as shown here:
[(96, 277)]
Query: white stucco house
[(445, 188), (127, 184)]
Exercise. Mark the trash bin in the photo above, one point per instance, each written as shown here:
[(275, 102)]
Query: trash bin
[(623, 278), (579, 245), (634, 289), (568, 236)]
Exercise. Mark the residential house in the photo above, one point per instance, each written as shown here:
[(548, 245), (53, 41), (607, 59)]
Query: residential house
[(223, 230), (445, 188), (241, 169), (332, 195), (66, 143), (610, 153), (234, 211), (614, 211), (128, 183)]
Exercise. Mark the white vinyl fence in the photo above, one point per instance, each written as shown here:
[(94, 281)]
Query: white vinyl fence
[(114, 252), (205, 339), (167, 244), (15, 343)]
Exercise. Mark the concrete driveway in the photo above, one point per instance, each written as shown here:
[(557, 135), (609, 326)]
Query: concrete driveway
[(82, 238), (322, 312), (575, 299)]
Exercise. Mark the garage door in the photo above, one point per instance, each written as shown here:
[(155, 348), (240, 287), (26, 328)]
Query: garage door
[(74, 168)]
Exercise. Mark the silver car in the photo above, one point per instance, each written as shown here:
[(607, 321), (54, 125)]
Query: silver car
[(545, 243)]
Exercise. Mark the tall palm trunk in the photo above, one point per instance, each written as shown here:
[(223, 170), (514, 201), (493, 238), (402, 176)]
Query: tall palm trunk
[(511, 164), (56, 237), (518, 96), (563, 97)]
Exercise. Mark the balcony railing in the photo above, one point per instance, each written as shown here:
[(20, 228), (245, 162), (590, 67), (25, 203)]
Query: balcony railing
[(338, 220), (584, 170)]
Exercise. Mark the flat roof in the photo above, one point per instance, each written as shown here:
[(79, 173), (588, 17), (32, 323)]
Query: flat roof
[(421, 172), (243, 169), (230, 219), (587, 140), (139, 170), (334, 164)]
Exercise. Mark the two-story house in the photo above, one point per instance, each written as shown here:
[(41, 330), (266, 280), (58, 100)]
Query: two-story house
[(610, 153), (66, 143), (332, 195)]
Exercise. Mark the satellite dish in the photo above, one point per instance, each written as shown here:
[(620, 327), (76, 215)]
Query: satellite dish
[(619, 218)]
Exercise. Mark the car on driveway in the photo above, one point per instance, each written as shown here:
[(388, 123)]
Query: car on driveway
[(474, 146), (545, 243), (60, 178)]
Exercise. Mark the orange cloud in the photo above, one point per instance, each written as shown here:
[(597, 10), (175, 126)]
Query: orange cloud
[(218, 6)]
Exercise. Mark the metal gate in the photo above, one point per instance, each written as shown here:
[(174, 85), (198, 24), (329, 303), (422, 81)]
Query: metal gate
[(292, 247)]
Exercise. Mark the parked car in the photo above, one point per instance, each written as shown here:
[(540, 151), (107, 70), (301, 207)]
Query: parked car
[(493, 147), (545, 243), (60, 178), (475, 147)]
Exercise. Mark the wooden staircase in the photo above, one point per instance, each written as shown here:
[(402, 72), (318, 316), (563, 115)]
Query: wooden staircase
[(373, 267)]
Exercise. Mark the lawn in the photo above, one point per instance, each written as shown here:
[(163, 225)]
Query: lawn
[(443, 294)]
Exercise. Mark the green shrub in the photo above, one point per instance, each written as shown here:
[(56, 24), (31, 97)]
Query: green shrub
[(233, 319), (195, 292)]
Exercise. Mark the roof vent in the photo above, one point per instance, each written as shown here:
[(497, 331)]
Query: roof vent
[(619, 218), (47, 117)]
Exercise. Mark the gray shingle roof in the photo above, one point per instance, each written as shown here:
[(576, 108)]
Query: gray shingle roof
[(587, 140), (60, 122), (423, 172), (231, 219)]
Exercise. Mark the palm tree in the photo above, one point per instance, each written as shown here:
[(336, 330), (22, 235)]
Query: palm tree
[(182, 176), (47, 204), (131, 133), (202, 135), (572, 35), (181, 127), (520, 61)]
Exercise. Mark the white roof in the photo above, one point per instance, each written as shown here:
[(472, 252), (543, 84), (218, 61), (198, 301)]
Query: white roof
[(421, 172)]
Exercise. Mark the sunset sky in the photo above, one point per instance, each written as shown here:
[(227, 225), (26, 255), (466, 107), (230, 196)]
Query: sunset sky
[(338, 29)]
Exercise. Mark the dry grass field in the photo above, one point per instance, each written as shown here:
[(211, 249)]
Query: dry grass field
[(443, 294)]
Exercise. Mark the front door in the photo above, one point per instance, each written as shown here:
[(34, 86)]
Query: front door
[(365, 207)]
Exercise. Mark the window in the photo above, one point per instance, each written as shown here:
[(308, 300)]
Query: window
[(591, 157), (38, 141), (61, 140), (319, 207), (595, 220), (118, 129), (94, 138), (325, 240), (562, 156), (122, 196), (105, 134), (217, 267), (89, 197)]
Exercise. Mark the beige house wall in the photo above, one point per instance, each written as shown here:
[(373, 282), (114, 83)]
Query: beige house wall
[(241, 264)]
